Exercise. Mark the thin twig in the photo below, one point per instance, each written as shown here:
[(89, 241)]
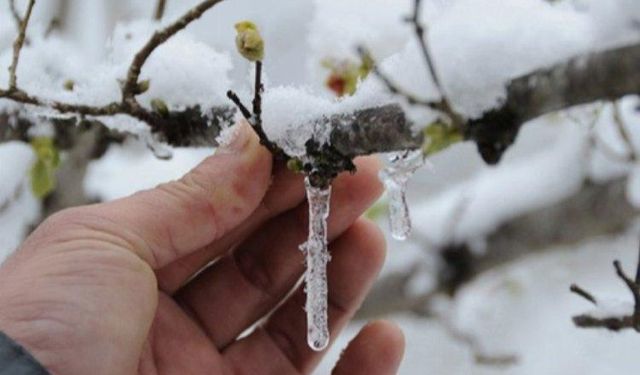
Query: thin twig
[(159, 37), (257, 94), (638, 269), (257, 111), (254, 117), (622, 130), (53, 26), (17, 46), (583, 293), (394, 88), (15, 13), (61, 107), (159, 12), (633, 288), (613, 323), (246, 113), (420, 29)]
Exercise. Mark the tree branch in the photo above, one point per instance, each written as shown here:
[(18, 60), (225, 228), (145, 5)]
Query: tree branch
[(17, 45), (14, 12), (606, 75), (131, 83), (159, 12)]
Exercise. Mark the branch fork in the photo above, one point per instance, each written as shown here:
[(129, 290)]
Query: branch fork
[(613, 323)]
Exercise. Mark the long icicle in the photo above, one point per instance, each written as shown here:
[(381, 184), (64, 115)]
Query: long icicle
[(317, 257), (395, 178)]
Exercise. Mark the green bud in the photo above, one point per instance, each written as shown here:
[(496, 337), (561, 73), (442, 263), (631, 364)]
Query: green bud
[(438, 136), (248, 41), (143, 86), (43, 171), (378, 210), (295, 165), (160, 107), (69, 85)]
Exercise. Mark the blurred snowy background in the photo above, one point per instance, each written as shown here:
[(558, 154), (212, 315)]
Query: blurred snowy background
[(559, 208)]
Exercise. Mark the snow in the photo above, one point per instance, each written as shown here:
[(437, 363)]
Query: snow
[(18, 207), (128, 168), (471, 210), (633, 187), (184, 71), (293, 115), (478, 46), (524, 309), (612, 308)]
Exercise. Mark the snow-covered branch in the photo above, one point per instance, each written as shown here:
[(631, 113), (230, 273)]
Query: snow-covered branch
[(162, 123), (129, 88), (606, 75)]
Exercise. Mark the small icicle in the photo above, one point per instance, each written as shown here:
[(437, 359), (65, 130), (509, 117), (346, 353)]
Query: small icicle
[(317, 257), (395, 178)]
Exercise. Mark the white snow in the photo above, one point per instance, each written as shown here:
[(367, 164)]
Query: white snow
[(612, 308), (131, 167), (474, 209), (18, 207)]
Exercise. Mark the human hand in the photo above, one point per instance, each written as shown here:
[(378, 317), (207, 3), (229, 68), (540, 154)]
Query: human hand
[(115, 288)]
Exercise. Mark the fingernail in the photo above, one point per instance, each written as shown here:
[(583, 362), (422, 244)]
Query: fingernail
[(234, 139)]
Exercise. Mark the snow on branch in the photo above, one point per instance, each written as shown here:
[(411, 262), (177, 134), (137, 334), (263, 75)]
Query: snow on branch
[(606, 75), (159, 122), (382, 127)]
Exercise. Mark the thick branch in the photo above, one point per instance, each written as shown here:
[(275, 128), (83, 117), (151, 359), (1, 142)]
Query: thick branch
[(607, 75)]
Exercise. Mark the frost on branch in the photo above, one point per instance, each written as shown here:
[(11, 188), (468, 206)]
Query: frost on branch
[(317, 256), (395, 178)]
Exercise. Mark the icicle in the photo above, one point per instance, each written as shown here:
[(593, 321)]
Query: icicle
[(395, 177), (317, 256)]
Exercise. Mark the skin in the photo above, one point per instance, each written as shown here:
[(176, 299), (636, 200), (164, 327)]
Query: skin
[(115, 288)]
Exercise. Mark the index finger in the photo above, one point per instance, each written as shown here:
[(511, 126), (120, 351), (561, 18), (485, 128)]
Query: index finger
[(172, 220)]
